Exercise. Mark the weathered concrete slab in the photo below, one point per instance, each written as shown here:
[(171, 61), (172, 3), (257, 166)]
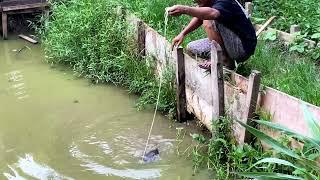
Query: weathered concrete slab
[(198, 84), (287, 110), (287, 37)]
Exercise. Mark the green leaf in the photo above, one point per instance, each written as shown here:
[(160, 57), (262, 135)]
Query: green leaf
[(198, 137), (270, 141), (299, 48), (316, 36), (276, 161), (313, 125), (289, 132), (266, 175), (285, 163), (314, 156), (271, 36)]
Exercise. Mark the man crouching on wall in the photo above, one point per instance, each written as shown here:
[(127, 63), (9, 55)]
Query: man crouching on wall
[(226, 22)]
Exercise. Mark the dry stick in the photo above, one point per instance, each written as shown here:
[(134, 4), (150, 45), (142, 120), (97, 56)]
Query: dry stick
[(29, 39), (265, 25)]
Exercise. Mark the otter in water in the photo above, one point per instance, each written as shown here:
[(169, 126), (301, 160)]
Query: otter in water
[(151, 156)]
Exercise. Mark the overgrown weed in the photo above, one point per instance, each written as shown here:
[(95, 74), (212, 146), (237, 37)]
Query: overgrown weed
[(89, 36), (285, 71), (221, 154)]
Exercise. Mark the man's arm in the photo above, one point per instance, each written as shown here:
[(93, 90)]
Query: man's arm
[(203, 13), (194, 24)]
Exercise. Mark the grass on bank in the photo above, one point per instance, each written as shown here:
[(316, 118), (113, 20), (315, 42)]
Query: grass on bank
[(305, 13), (285, 71), (90, 37), (292, 74)]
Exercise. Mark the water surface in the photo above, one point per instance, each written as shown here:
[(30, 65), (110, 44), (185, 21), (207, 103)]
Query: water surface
[(55, 126)]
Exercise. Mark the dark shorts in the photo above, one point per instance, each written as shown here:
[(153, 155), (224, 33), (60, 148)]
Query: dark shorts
[(232, 43)]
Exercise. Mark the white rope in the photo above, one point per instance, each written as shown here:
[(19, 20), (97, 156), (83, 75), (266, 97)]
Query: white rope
[(160, 84), (154, 117)]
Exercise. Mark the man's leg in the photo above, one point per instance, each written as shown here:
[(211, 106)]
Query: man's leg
[(213, 34), (202, 47)]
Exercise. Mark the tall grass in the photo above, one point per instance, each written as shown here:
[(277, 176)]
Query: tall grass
[(305, 13), (89, 36), (223, 156), (281, 70), (287, 72), (153, 11)]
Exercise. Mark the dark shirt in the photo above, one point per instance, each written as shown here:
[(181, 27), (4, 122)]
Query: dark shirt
[(233, 18)]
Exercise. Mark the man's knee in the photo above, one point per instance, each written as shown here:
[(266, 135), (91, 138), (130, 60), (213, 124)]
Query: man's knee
[(209, 25), (191, 46)]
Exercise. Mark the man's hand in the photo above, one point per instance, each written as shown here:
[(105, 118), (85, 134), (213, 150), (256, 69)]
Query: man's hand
[(176, 10), (177, 41)]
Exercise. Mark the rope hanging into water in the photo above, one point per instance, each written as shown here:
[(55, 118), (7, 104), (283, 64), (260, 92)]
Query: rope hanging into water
[(154, 116), (160, 84)]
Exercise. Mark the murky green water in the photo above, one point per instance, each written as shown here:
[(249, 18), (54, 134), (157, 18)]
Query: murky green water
[(54, 126)]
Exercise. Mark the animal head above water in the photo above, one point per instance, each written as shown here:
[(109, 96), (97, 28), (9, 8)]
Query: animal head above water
[(151, 156)]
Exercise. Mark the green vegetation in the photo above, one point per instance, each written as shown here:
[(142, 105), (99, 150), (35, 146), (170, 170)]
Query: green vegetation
[(305, 13), (299, 162), (281, 69), (90, 37), (152, 12), (284, 159), (221, 154), (285, 71)]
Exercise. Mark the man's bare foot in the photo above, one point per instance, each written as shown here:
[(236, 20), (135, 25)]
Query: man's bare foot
[(205, 65)]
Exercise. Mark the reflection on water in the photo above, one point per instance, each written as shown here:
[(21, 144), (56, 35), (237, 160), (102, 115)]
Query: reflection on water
[(55, 126), (100, 169), (31, 168), (17, 86)]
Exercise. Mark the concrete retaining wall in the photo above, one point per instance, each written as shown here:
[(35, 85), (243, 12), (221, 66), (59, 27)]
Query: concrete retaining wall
[(285, 109)]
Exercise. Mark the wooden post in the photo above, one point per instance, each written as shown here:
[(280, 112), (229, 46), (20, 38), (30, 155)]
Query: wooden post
[(251, 101), (217, 81), (141, 38), (181, 86), (294, 29), (249, 8), (4, 25)]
